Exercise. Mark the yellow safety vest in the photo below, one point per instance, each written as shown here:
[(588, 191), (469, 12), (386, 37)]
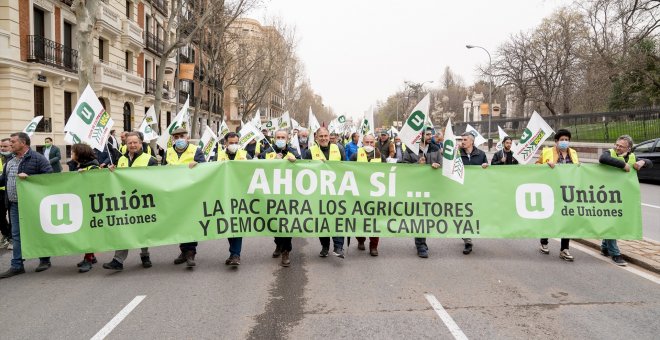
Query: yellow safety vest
[(273, 155), (186, 157), (362, 157), (318, 155), (257, 149), (241, 155), (142, 160), (551, 155), (632, 159), (91, 167)]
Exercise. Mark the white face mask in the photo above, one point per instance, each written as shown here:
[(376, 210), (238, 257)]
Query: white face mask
[(232, 148), (369, 148)]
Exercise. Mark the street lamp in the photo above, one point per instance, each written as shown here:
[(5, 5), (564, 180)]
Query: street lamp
[(490, 91)]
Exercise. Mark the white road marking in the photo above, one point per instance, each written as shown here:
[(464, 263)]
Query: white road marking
[(649, 276), (445, 317), (118, 318), (651, 205)]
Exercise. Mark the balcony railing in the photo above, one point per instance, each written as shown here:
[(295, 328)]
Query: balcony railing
[(160, 5), (154, 44), (67, 2), (149, 86), (46, 51), (45, 125), (205, 105)]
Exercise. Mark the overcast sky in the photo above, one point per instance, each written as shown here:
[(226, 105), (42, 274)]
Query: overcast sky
[(357, 52)]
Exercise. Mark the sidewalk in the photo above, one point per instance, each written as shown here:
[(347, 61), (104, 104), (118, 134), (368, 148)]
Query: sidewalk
[(643, 253)]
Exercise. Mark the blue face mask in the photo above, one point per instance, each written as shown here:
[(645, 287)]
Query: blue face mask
[(180, 143), (280, 143), (563, 144)]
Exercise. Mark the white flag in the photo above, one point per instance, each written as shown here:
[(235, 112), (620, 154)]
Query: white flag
[(181, 120), (248, 133), (147, 131), (256, 120), (284, 122), (30, 128), (337, 125), (70, 138), (502, 134), (536, 132), (413, 129), (312, 122), (224, 130), (295, 124), (150, 116), (478, 138), (452, 164), (89, 120), (207, 142), (295, 143), (394, 131)]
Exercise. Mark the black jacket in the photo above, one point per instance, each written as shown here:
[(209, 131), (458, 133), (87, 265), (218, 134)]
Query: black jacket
[(54, 157), (284, 152), (476, 157), (607, 159), (410, 157), (500, 159)]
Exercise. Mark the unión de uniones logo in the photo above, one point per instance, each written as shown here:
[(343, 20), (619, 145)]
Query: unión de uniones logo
[(61, 213), (535, 201)]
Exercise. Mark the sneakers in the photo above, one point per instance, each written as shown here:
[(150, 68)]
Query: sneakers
[(544, 249), (233, 260), (468, 249), (190, 259), (285, 259), (566, 256), (114, 265), (12, 272), (373, 252), (146, 262), (181, 259), (423, 252), (94, 261), (361, 246), (85, 266), (604, 252), (618, 260), (338, 252), (277, 252), (324, 252), (44, 265)]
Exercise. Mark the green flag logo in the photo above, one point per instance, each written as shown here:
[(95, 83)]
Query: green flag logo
[(448, 152), (31, 127), (61, 214), (416, 120), (85, 113), (535, 201)]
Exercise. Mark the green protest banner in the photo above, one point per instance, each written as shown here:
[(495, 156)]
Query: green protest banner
[(99, 210)]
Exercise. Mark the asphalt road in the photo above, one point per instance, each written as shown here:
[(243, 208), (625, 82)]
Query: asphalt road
[(651, 211), (505, 289)]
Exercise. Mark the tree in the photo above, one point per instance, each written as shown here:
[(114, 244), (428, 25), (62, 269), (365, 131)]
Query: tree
[(86, 12), (509, 68)]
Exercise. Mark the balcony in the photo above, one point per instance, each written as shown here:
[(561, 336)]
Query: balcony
[(149, 86), (160, 5), (154, 44), (117, 78), (131, 36), (108, 21), (46, 51), (67, 2)]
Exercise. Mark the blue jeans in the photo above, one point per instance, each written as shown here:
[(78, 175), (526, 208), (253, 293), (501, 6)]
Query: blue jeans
[(235, 245), (611, 247), (337, 241), (17, 260)]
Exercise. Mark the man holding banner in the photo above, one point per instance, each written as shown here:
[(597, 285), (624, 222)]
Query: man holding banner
[(561, 153), (368, 153), (471, 155), (184, 153), (134, 157), (324, 151), (26, 162), (234, 153)]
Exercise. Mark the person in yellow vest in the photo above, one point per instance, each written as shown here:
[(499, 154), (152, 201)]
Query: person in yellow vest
[(280, 150), (122, 146), (145, 147), (133, 158), (620, 157), (561, 153), (184, 153), (399, 149), (368, 153), (5, 229), (233, 152), (323, 150)]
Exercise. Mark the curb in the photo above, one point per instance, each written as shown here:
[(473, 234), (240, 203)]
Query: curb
[(634, 259)]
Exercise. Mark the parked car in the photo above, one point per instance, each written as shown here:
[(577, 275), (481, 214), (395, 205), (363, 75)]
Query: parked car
[(649, 149)]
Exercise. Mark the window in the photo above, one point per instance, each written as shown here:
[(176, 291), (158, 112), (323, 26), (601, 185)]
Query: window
[(129, 61), (103, 50), (40, 108), (68, 105), (127, 117), (644, 147), (129, 9), (39, 22)]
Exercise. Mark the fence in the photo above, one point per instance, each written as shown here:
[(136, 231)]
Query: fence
[(603, 127)]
